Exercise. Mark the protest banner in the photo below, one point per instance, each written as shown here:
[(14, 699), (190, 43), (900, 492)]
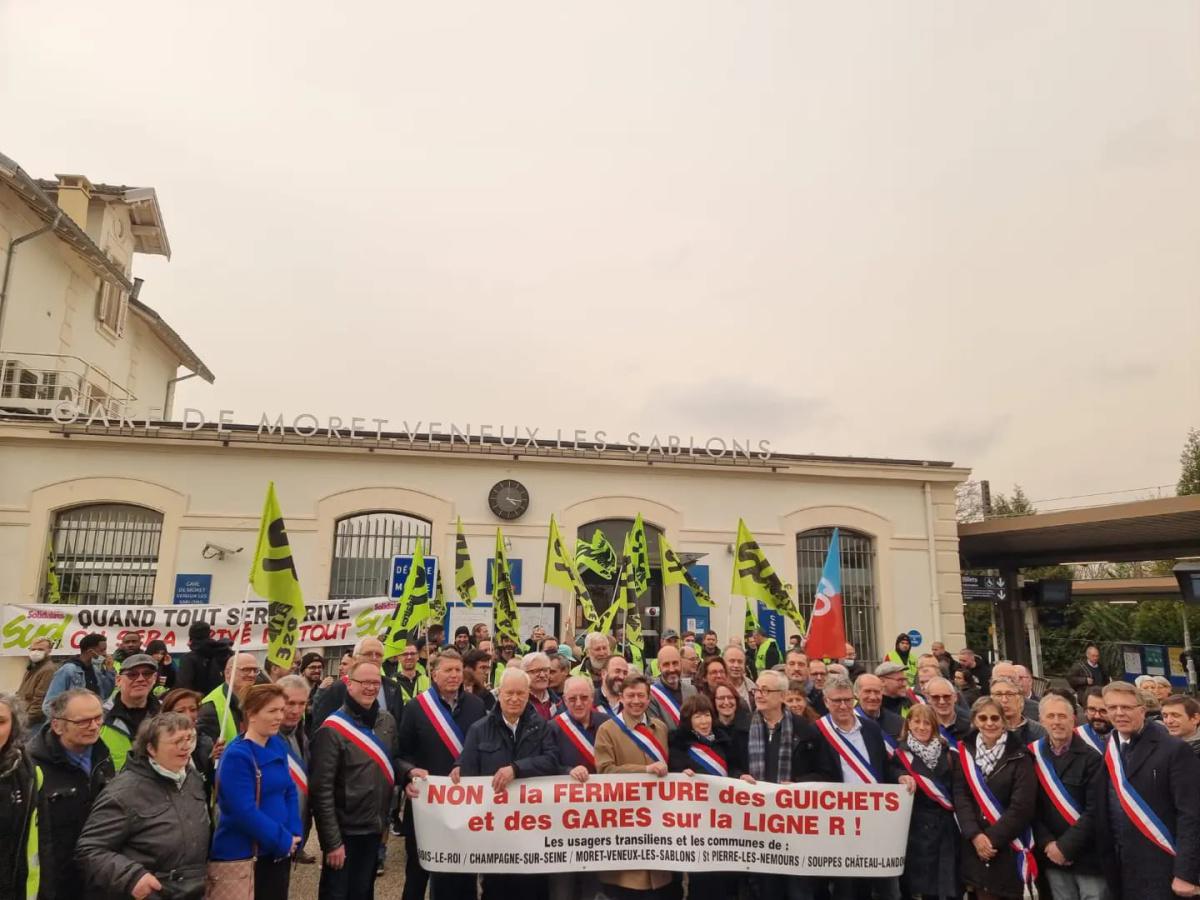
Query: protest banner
[(674, 823), (326, 624)]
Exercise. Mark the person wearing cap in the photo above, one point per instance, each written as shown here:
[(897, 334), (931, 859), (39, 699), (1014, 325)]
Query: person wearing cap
[(462, 639), (202, 668), (167, 674), (129, 706), (895, 687)]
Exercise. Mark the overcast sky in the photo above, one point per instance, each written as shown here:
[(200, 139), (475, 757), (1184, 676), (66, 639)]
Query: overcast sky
[(958, 230)]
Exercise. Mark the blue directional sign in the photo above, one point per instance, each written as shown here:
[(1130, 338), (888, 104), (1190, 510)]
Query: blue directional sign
[(402, 565), (192, 590)]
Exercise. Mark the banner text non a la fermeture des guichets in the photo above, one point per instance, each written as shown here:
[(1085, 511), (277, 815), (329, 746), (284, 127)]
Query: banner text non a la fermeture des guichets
[(676, 823)]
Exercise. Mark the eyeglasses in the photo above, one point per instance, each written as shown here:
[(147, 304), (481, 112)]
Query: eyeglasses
[(83, 723), (840, 701), (539, 671), (248, 670), (1000, 695), (140, 675), (983, 718), (937, 698), (763, 690), (368, 685)]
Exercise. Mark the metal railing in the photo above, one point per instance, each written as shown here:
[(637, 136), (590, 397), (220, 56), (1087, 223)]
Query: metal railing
[(38, 382), (858, 584)]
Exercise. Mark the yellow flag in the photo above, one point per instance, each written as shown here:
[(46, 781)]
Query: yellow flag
[(504, 598), (412, 608), (674, 572), (53, 590), (561, 572), (750, 624), (273, 578), (597, 556), (755, 579), (464, 573), (437, 606), (637, 551)]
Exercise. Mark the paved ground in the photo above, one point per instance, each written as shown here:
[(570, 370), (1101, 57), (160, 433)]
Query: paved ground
[(388, 887)]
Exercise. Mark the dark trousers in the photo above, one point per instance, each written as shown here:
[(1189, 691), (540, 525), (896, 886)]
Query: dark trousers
[(780, 887), (508, 887), (271, 877), (415, 878), (447, 886), (356, 879)]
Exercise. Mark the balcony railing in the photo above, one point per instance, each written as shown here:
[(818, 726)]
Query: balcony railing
[(39, 382)]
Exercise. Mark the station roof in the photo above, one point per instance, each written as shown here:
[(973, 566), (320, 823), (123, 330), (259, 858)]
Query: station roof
[(1166, 528)]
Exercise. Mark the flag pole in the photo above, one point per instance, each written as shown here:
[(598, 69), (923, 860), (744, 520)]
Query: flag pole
[(233, 664)]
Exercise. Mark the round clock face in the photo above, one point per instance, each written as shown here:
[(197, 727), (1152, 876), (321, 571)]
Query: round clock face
[(508, 499)]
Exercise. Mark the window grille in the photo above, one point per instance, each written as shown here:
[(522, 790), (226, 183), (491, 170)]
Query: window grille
[(103, 553), (859, 601), (363, 547)]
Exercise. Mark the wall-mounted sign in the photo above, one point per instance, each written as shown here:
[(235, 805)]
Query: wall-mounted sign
[(192, 590), (514, 569), (984, 588)]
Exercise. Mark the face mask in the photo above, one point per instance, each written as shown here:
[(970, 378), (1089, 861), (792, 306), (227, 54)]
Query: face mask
[(848, 661), (37, 655)]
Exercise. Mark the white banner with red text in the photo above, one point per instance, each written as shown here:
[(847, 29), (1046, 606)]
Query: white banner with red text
[(327, 624), (676, 823)]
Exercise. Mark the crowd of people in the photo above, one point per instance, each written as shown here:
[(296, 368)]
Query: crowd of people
[(131, 777)]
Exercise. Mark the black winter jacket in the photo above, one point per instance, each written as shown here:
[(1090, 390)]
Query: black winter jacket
[(1014, 783), (681, 739), (931, 865), (18, 799), (490, 746), (347, 790), (67, 797), (203, 668), (1078, 768), (145, 823)]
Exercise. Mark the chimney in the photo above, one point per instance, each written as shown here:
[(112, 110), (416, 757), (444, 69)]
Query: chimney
[(74, 195)]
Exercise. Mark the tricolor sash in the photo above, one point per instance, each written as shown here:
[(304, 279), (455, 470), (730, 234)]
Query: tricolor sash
[(709, 760), (666, 702), (915, 698), (930, 787), (1043, 762), (362, 738), (1090, 737), (889, 742), (296, 770), (645, 740), (992, 811), (950, 738), (1139, 812), (858, 764), (578, 737), (443, 723)]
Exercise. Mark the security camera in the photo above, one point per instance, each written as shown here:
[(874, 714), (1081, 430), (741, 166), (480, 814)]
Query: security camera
[(216, 551)]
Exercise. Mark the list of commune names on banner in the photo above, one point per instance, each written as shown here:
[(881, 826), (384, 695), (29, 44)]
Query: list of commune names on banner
[(672, 823)]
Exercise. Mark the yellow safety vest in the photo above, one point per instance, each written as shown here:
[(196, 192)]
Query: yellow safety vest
[(218, 698), (118, 742), (33, 863)]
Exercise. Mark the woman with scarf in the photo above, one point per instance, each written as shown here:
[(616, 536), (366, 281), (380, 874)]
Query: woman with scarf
[(931, 865), (994, 767), (696, 748), (902, 655), (20, 874)]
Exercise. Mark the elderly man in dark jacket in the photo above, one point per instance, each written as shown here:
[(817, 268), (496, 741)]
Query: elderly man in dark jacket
[(510, 742), (1166, 776), (1067, 850), (350, 783)]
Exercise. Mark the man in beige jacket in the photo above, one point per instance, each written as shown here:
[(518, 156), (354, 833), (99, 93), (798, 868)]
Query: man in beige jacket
[(36, 681), (633, 744)]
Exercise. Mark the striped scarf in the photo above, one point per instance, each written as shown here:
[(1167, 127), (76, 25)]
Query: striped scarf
[(757, 748), (986, 759)]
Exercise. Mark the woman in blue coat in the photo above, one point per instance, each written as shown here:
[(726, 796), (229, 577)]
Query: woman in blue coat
[(256, 764)]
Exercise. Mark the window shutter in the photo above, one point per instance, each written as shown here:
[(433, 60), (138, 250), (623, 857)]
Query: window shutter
[(103, 302), (122, 312)]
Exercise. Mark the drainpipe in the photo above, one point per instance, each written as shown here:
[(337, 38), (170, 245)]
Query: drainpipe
[(935, 600), (169, 400), (8, 264)]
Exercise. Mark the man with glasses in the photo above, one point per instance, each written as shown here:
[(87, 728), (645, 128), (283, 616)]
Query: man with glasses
[(220, 712), (409, 679), (369, 649), (1148, 812), (1007, 692), (75, 766), (351, 780), (429, 742), (954, 722), (817, 673), (125, 711), (541, 698)]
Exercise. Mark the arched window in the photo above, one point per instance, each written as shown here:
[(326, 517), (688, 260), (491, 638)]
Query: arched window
[(363, 547), (603, 591), (103, 553), (859, 602)]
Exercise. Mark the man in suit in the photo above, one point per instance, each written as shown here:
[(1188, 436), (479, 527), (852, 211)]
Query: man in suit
[(865, 736), (1165, 775), (1066, 850)]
